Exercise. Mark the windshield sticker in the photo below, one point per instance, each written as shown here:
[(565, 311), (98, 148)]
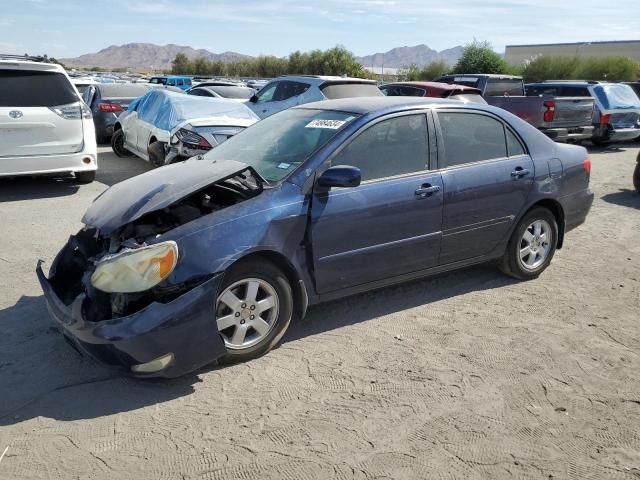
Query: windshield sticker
[(330, 124), (465, 79), (284, 166)]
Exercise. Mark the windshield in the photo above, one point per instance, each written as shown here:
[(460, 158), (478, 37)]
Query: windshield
[(504, 86), (616, 96), (277, 145)]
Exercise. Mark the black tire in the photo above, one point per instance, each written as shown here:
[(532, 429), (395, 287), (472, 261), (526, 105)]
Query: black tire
[(117, 144), (85, 177), (636, 176), (600, 142), (157, 154), (511, 263), (267, 272)]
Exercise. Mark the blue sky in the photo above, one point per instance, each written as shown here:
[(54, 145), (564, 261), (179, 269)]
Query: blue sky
[(64, 28)]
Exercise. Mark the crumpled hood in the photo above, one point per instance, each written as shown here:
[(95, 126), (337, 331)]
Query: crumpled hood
[(129, 200)]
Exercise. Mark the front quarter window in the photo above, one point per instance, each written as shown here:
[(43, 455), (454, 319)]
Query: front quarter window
[(279, 144)]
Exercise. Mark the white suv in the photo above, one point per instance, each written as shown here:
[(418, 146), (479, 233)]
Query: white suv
[(44, 126)]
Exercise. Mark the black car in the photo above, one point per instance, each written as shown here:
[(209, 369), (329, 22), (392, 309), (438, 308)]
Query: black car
[(109, 100)]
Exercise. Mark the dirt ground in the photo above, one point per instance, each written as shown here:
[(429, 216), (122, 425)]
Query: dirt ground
[(466, 375)]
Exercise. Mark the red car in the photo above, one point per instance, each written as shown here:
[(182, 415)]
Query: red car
[(433, 89)]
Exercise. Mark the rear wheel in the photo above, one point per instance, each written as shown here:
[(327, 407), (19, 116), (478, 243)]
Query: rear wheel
[(253, 310), (117, 144), (85, 177), (531, 246), (157, 154), (636, 176)]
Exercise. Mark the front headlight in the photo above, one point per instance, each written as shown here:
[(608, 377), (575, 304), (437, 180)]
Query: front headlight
[(135, 270)]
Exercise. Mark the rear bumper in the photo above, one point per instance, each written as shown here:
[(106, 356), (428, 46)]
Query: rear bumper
[(610, 133), (576, 207), (47, 164), (571, 134), (185, 327)]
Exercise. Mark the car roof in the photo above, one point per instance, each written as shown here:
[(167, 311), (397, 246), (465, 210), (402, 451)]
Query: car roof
[(482, 75), (437, 85), (30, 65), (320, 79), (364, 105)]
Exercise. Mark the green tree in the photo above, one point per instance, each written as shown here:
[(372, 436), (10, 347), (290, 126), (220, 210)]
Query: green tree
[(181, 64), (429, 72), (479, 57), (545, 67), (615, 69)]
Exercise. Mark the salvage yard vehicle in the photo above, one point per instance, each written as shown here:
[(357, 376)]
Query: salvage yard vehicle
[(163, 126), (107, 101), (616, 114), (433, 89), (233, 92), (183, 83), (288, 91), (210, 260), (562, 118), (44, 126)]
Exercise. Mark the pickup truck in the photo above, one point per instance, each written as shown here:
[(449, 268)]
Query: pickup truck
[(563, 119)]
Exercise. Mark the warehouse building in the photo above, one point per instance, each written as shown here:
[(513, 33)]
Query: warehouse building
[(516, 54)]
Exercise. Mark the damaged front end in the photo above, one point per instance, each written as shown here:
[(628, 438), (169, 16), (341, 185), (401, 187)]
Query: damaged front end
[(112, 290)]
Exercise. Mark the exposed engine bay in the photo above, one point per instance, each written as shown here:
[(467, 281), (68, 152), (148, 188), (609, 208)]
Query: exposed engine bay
[(71, 272)]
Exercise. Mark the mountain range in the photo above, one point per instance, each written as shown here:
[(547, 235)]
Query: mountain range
[(148, 56)]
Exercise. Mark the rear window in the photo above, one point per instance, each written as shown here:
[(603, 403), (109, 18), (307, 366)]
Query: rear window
[(350, 90), (19, 88), (123, 90), (497, 87), (234, 92)]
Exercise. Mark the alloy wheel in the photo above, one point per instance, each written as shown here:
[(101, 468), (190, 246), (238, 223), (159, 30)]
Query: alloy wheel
[(246, 311), (535, 244)]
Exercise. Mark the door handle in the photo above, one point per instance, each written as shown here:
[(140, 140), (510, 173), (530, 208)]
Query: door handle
[(519, 172), (427, 190)]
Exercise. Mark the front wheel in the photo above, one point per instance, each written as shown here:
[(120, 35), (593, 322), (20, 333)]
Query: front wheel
[(117, 144), (636, 175), (253, 309), (85, 177), (531, 246)]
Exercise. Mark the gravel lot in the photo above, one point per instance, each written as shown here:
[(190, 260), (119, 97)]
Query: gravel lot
[(467, 375)]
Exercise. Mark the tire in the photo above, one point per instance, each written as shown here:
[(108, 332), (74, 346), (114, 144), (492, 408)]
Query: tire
[(600, 142), (636, 176), (156, 154), (538, 259), (117, 144), (85, 177), (275, 320)]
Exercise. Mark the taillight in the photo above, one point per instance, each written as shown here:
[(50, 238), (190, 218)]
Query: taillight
[(110, 107), (72, 111), (587, 165), (550, 112), (605, 119), (193, 139)]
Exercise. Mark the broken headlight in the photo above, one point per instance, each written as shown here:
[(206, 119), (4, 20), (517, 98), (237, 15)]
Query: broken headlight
[(135, 270)]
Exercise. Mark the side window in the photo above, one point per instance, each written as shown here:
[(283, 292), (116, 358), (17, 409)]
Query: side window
[(87, 96), (288, 89), (470, 137), (391, 147), (171, 82), (575, 92), (514, 147), (180, 82), (266, 94), (187, 82)]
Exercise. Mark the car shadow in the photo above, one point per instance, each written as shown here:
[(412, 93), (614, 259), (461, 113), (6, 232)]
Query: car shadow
[(42, 376), (28, 188), (624, 197)]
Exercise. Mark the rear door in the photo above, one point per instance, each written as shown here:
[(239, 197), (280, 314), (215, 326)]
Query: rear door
[(390, 224), (39, 114), (487, 176)]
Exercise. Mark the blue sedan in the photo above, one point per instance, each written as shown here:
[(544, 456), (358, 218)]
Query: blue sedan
[(209, 260)]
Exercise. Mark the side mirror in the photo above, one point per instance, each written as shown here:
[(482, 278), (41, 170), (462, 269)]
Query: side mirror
[(340, 176), (253, 99)]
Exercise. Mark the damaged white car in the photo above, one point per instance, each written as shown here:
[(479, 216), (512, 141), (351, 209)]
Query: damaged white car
[(163, 126)]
